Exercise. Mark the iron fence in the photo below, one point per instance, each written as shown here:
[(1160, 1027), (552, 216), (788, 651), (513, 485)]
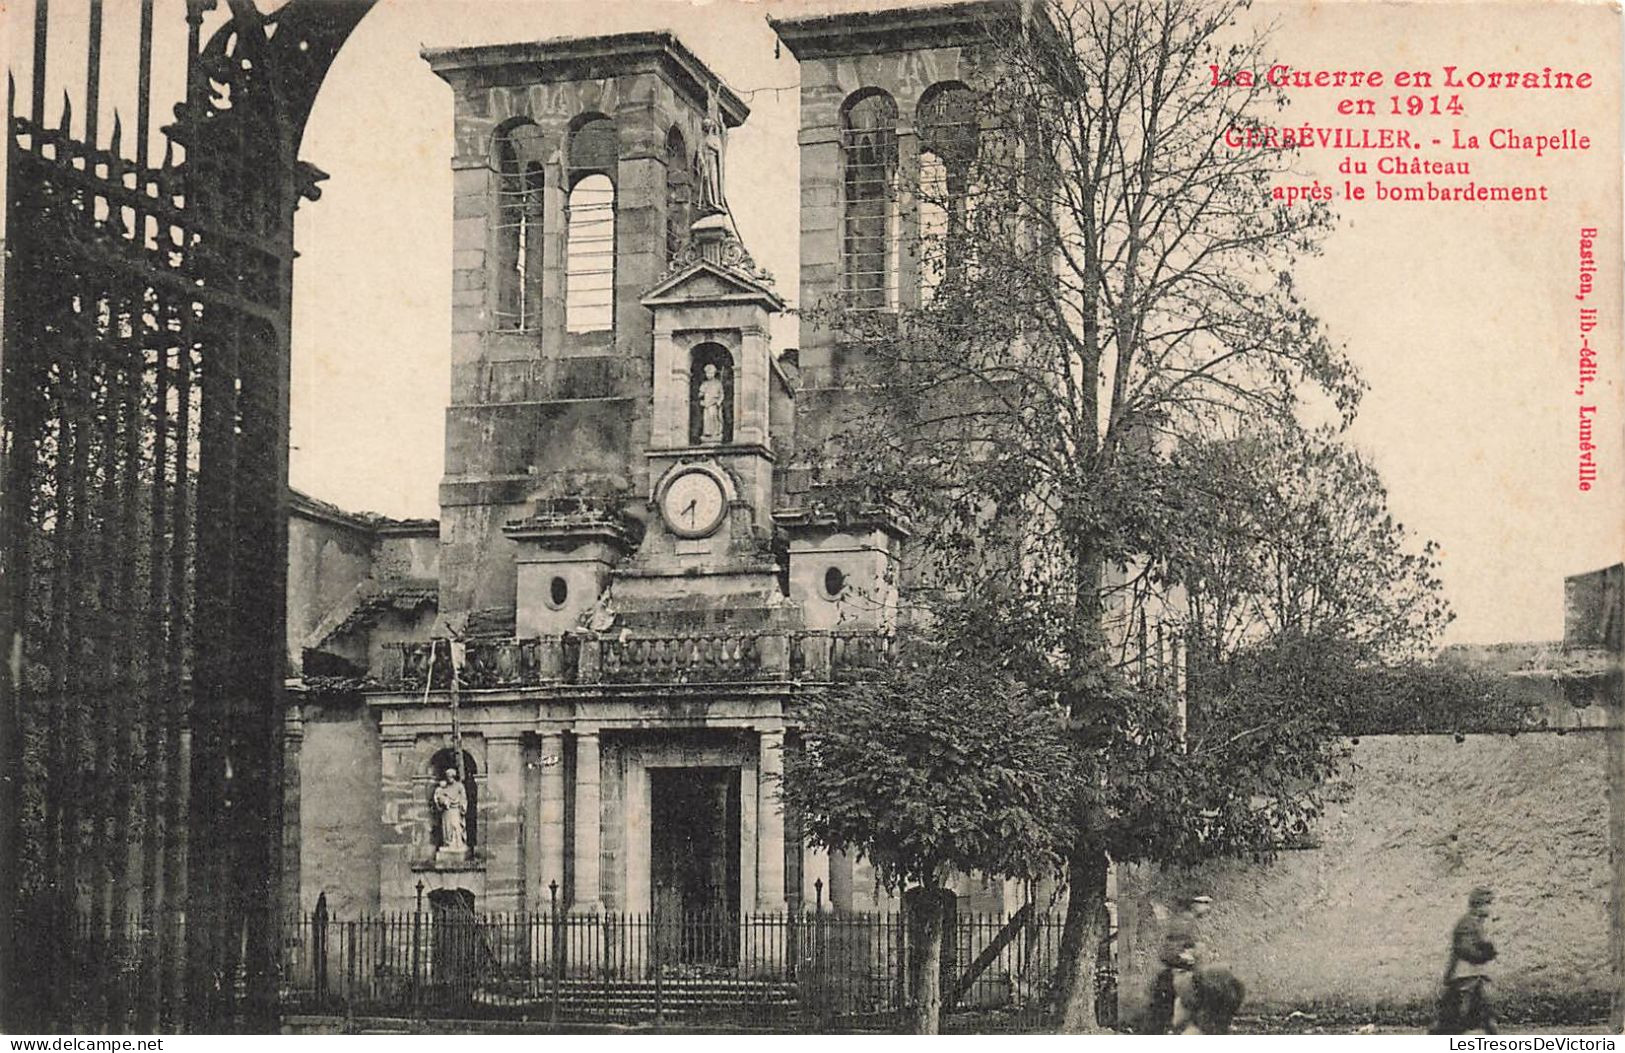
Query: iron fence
[(814, 971), (807, 972), (144, 347)]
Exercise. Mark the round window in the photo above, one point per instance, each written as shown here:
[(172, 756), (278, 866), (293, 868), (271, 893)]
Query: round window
[(558, 591), (834, 582)]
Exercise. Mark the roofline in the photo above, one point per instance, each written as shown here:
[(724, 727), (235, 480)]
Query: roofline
[(753, 290), (835, 34), (544, 61), (302, 504)]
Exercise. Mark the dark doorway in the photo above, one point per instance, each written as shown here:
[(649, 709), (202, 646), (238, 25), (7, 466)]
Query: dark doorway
[(694, 863), (455, 938)]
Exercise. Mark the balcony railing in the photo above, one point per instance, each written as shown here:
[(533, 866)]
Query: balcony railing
[(665, 658)]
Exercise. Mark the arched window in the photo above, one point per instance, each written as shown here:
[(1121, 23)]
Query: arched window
[(869, 227), (716, 356), (518, 155), (589, 265), (678, 190), (438, 764), (946, 120)]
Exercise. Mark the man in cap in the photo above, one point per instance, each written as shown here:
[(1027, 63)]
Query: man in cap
[(1464, 1004), (1181, 953)]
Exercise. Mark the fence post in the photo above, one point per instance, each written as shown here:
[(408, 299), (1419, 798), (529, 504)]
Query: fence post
[(820, 963), (349, 974), (417, 935), (904, 949), (557, 955), (319, 948), (604, 955), (653, 936)]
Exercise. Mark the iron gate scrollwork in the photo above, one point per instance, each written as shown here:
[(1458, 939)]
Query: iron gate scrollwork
[(145, 412)]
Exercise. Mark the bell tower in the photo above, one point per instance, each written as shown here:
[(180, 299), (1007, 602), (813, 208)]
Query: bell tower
[(576, 169), (710, 457), (887, 106)]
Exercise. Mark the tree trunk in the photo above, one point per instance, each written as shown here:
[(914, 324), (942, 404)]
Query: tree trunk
[(1081, 939), (924, 910)]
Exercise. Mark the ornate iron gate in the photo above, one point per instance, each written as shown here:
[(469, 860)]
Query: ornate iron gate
[(145, 413)]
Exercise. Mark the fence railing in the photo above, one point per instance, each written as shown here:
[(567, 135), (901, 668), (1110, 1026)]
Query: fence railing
[(586, 658), (811, 971)]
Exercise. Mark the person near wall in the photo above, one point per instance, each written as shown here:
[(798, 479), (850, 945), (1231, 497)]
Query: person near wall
[(1205, 1000), (1464, 1002), (1181, 953)]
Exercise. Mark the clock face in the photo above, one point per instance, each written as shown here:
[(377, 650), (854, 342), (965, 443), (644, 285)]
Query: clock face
[(693, 504)]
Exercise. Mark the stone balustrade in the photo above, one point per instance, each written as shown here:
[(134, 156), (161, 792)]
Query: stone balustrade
[(717, 657)]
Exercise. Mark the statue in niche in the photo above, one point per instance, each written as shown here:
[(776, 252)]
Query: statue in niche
[(451, 798), (712, 396)]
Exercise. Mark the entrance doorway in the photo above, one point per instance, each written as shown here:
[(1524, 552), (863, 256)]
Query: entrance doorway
[(694, 863), (454, 935)]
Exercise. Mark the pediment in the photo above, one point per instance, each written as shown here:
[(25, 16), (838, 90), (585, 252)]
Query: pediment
[(704, 282)]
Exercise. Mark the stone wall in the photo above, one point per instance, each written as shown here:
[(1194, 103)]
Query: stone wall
[(1362, 922), (328, 556), (339, 810)]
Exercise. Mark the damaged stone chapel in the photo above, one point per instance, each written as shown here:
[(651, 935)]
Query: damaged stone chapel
[(575, 689)]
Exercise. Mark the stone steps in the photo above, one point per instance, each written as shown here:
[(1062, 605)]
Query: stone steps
[(637, 998)]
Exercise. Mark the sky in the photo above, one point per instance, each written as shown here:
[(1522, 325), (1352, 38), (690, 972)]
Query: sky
[(1460, 318)]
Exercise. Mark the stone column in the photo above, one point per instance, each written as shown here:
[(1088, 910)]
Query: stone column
[(635, 812), (293, 737), (747, 834), (769, 823), (550, 817), (584, 895), (669, 424)]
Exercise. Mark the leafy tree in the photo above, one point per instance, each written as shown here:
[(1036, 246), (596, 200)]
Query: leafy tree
[(1285, 534), (1108, 283), (944, 763)]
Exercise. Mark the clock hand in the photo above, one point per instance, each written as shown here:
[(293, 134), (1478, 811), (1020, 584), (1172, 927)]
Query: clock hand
[(688, 510)]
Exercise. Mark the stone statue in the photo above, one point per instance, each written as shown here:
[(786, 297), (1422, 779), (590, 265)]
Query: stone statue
[(712, 395), (452, 800), (711, 201)]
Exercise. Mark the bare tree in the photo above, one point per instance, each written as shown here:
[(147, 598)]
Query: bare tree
[(1103, 276)]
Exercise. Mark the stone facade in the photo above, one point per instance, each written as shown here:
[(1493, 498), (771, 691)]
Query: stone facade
[(633, 596)]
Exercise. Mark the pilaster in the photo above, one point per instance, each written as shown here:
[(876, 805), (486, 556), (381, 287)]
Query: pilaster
[(584, 897), (550, 817), (769, 822)]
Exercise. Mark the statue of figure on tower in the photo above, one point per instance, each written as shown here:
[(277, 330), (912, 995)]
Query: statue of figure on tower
[(452, 800), (712, 395), (711, 201)]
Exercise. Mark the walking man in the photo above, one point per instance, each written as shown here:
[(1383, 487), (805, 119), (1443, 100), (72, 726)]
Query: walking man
[(1464, 1004), (1181, 953)]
